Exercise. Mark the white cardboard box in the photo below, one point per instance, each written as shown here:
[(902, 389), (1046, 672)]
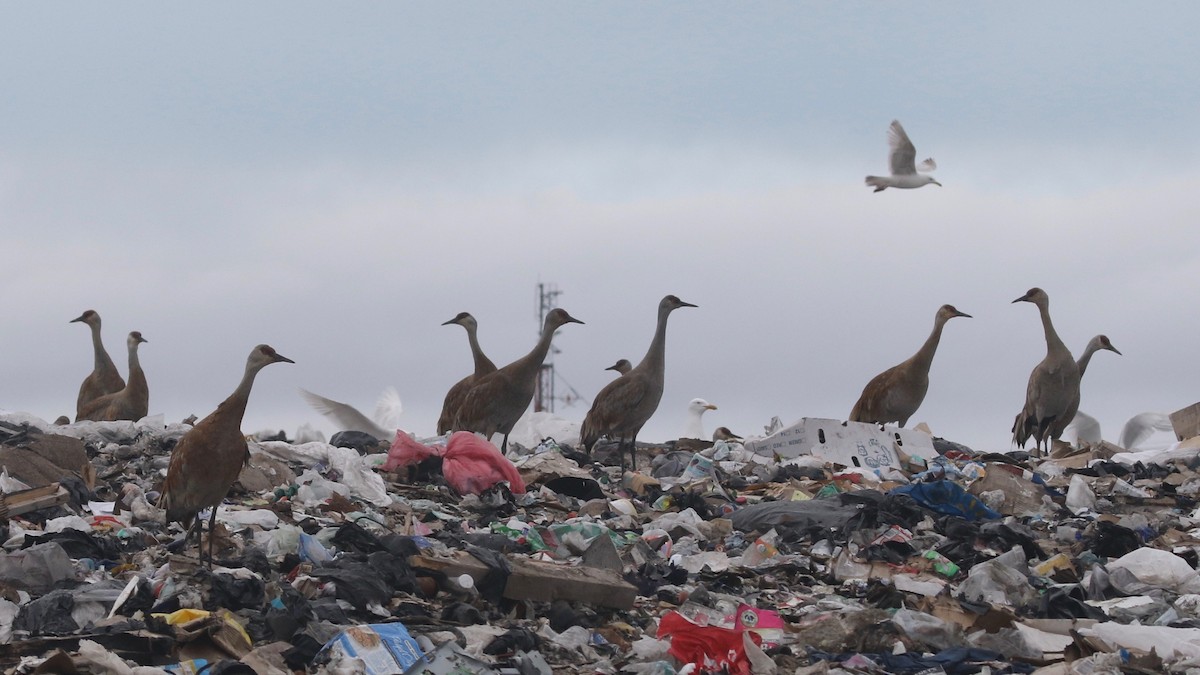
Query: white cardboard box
[(851, 444)]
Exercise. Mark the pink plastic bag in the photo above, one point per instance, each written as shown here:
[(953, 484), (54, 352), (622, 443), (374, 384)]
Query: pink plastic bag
[(469, 463)]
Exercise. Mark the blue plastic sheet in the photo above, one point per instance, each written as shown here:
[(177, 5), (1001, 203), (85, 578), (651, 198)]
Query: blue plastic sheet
[(949, 498)]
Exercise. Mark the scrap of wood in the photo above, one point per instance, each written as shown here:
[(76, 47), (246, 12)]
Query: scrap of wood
[(543, 581), (16, 503)]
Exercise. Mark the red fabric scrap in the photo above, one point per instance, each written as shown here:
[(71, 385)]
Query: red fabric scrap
[(709, 647)]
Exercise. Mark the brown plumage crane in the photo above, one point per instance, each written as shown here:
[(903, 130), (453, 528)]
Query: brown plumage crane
[(132, 402), (622, 366), (208, 458), (1094, 345), (896, 393), (498, 399), (458, 393), (624, 405), (104, 378), (1053, 384)]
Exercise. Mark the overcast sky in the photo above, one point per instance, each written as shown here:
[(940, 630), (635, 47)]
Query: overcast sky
[(337, 180)]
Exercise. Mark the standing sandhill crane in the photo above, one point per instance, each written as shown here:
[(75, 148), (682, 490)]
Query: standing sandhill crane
[(1053, 384), (622, 366), (132, 402), (104, 378), (694, 428), (458, 393), (498, 399), (1094, 345), (624, 405), (896, 393), (902, 162), (208, 458)]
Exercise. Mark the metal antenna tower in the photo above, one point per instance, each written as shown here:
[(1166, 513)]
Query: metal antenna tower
[(543, 398)]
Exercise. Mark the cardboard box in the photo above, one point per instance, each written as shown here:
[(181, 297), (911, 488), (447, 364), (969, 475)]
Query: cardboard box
[(1186, 422), (849, 444)]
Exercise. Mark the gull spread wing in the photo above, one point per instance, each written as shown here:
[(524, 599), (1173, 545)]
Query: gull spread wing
[(346, 416), (1087, 428), (388, 408), (1142, 426), (903, 155)]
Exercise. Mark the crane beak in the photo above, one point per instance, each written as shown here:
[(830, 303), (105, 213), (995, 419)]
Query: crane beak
[(964, 314), (79, 318), (686, 304), (1023, 298), (1114, 349), (447, 323), (280, 357)]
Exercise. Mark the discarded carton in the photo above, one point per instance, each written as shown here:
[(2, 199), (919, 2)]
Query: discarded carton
[(851, 444), (382, 647), (1186, 422)]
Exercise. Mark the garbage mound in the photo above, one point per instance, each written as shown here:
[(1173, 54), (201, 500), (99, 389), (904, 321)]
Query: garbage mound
[(827, 547)]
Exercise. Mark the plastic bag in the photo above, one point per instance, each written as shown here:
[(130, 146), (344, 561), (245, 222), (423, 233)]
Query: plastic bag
[(1159, 568)]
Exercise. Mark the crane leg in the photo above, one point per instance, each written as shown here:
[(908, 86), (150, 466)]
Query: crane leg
[(212, 523)]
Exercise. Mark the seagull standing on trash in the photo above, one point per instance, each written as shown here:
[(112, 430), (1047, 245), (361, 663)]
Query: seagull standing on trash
[(901, 159), (624, 405), (695, 425), (207, 459), (895, 394), (1052, 385)]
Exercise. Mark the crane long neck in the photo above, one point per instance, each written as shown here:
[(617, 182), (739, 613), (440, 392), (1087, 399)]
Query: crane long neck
[(533, 360), (483, 364), (235, 405), (1053, 342), (137, 377), (656, 355), (103, 360), (924, 355), (1086, 357)]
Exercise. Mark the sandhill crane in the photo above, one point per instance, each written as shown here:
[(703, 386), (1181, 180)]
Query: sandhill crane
[(132, 402), (896, 393), (104, 378), (1094, 345), (622, 366), (624, 405), (1053, 384), (498, 399), (208, 458), (458, 393)]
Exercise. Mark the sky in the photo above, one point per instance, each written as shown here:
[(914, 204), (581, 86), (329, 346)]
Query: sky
[(337, 180)]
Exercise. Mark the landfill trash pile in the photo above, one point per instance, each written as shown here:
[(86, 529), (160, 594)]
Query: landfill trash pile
[(827, 547)]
